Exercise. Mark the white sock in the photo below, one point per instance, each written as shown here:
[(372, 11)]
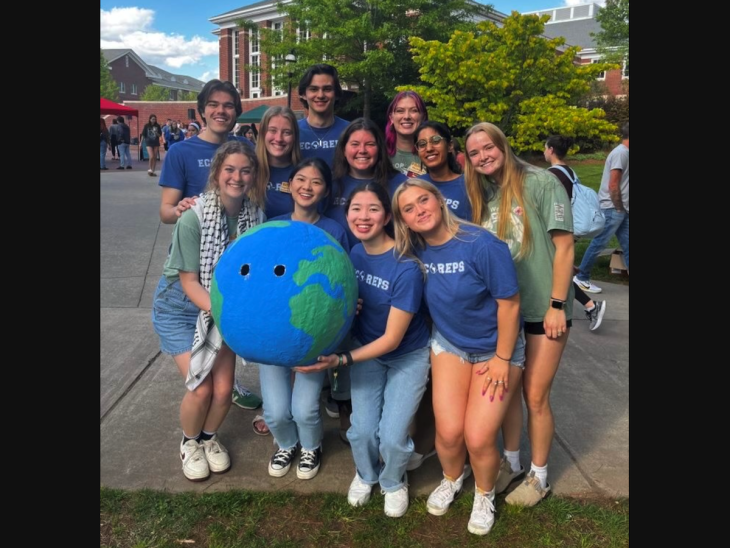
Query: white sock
[(591, 308), (513, 457), (540, 473), (489, 494)]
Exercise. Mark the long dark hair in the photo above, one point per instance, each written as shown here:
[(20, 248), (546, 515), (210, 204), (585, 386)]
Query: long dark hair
[(383, 197)]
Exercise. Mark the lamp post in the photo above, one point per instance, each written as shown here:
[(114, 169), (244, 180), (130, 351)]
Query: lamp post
[(290, 58)]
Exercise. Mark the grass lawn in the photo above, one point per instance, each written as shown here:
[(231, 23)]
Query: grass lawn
[(147, 519)]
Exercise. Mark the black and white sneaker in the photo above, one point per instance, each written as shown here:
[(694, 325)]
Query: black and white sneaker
[(281, 462), (309, 463)]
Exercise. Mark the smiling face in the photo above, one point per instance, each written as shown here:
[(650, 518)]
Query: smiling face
[(279, 141), (320, 94), (361, 153), (433, 155), (420, 210), (220, 113), (484, 155), (235, 176), (308, 187), (366, 216), (406, 117)]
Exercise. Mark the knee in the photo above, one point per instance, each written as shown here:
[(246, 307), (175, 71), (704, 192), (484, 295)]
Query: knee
[(306, 412), (450, 439), (537, 403), (204, 392), (480, 440)]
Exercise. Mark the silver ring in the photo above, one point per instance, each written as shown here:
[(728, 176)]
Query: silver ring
[(499, 382)]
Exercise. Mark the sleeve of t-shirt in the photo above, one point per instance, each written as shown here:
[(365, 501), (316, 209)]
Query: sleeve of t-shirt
[(554, 206), (407, 288), (185, 250), (563, 178), (495, 264), (618, 159), (173, 170)]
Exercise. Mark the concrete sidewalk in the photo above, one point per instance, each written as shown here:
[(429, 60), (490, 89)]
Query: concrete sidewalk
[(141, 389)]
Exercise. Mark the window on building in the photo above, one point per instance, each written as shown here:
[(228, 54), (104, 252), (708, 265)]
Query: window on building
[(255, 63), (303, 35), (254, 45), (134, 89), (601, 75), (122, 88), (255, 74), (237, 60)]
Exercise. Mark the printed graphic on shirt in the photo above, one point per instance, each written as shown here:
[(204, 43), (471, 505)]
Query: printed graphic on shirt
[(314, 145), (444, 268), (559, 212), (279, 187), (516, 232), (374, 281), (414, 170)]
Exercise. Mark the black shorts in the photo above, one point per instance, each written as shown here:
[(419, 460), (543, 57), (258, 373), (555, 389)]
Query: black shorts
[(536, 328)]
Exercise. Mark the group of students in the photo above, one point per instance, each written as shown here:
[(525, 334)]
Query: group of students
[(465, 277)]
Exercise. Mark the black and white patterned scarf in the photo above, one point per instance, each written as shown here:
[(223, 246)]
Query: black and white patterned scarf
[(213, 242)]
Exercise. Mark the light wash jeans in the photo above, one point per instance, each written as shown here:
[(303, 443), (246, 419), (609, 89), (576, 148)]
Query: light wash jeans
[(125, 158), (616, 223), (385, 397), (102, 154), (292, 414)]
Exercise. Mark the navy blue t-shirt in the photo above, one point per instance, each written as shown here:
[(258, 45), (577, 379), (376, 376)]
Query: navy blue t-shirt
[(320, 142), (384, 282), (455, 194), (278, 195), (331, 227), (341, 190), (464, 277)]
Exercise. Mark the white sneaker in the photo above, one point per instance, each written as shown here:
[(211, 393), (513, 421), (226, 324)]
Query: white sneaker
[(359, 493), (194, 464), (417, 459), (482, 514), (396, 503), (442, 497), (217, 456), (588, 287)]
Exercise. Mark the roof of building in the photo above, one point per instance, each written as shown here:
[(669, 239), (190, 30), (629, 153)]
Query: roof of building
[(156, 74), (574, 23)]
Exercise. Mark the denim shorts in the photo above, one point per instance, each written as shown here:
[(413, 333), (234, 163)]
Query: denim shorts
[(173, 317), (440, 344)]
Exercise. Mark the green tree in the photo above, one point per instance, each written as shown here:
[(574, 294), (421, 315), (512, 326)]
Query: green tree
[(153, 92), (513, 77), (613, 38), (188, 96), (107, 86), (366, 40)]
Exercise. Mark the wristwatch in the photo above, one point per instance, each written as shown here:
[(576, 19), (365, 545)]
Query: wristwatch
[(557, 304)]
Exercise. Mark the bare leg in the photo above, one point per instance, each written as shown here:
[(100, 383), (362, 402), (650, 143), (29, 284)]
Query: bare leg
[(195, 403), (222, 376)]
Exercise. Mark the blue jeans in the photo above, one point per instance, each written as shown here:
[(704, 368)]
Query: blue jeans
[(616, 223), (292, 413), (102, 154), (125, 158), (385, 397)]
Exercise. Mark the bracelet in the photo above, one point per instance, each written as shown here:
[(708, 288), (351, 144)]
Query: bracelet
[(339, 360), (349, 357), (501, 358)]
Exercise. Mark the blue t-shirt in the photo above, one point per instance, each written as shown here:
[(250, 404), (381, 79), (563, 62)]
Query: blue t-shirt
[(278, 195), (455, 193), (328, 225), (320, 142), (341, 190), (384, 282), (187, 165), (464, 277)]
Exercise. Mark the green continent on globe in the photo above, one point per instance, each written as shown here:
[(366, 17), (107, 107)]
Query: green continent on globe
[(306, 317)]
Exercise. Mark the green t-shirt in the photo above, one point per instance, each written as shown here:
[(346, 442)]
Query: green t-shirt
[(185, 250), (548, 208), (402, 160)]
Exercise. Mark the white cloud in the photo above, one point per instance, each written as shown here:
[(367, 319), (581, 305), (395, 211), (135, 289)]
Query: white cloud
[(579, 2), (132, 28), (209, 75)]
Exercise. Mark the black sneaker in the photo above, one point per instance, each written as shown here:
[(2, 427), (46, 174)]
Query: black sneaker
[(281, 462), (309, 463), (595, 316)]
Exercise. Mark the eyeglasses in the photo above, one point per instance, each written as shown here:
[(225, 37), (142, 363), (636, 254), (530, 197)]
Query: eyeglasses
[(434, 140)]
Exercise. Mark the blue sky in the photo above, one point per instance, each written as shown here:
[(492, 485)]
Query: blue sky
[(176, 34)]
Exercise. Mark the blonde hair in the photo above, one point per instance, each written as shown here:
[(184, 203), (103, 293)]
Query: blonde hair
[(511, 183), (264, 173), (257, 194), (407, 241)]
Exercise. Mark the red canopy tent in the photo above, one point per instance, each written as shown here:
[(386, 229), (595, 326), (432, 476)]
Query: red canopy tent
[(110, 107)]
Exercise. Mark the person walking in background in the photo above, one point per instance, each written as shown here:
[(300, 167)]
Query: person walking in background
[(114, 138), (405, 113), (151, 133), (319, 132), (187, 168), (556, 148), (103, 143), (477, 350), (527, 208), (125, 158), (614, 197), (181, 306)]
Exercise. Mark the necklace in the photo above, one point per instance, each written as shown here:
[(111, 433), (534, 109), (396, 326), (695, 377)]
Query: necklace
[(316, 135)]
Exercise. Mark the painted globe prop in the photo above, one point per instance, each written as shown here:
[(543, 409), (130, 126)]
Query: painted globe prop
[(284, 293)]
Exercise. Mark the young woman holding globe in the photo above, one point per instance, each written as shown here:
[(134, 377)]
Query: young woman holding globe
[(476, 354), (292, 412), (390, 357), (181, 307)]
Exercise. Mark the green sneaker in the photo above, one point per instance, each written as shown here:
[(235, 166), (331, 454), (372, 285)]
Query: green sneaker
[(244, 398)]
